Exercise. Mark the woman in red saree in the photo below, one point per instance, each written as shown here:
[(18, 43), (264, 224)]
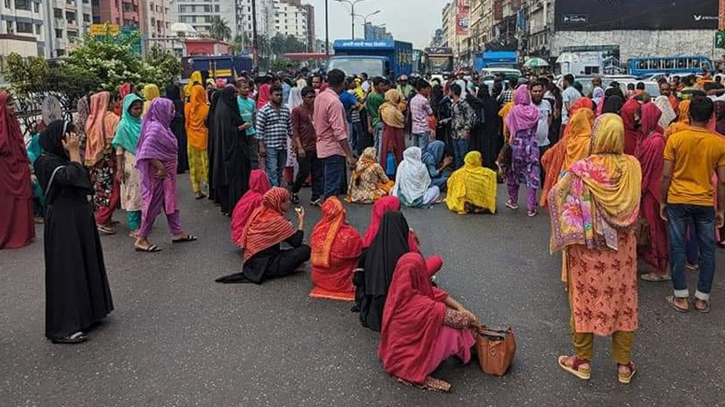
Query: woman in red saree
[(422, 326), (251, 200), (16, 197), (631, 112), (650, 153), (388, 203), (336, 249)]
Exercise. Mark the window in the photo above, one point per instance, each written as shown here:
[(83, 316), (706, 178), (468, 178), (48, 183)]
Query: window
[(22, 4), (86, 18), (7, 3), (58, 33), (96, 19), (57, 13), (36, 7), (25, 28), (71, 17), (60, 52), (10, 27), (216, 8), (38, 29)]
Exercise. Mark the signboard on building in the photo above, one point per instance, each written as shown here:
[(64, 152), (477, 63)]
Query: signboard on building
[(463, 11), (104, 29), (606, 15)]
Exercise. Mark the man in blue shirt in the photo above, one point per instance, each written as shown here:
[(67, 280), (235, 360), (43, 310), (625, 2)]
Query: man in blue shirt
[(248, 111)]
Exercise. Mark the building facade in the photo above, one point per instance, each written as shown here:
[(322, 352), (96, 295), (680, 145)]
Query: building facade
[(311, 28), (244, 22), (290, 18), (377, 33), (455, 23), (23, 29), (155, 23)]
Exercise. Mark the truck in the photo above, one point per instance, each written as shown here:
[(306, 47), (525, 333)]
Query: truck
[(227, 67), (376, 58), (495, 59)]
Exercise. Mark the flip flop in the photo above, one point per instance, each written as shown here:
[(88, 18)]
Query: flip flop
[(106, 230), (187, 238), (705, 310), (654, 277), (670, 299), (151, 249)]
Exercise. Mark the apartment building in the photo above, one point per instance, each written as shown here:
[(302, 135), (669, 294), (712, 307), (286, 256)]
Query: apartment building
[(22, 29), (155, 23), (290, 18)]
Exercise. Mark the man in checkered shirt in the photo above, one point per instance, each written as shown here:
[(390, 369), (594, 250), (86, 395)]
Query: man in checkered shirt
[(274, 127)]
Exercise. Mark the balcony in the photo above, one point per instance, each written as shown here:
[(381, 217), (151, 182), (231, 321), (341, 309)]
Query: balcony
[(61, 43)]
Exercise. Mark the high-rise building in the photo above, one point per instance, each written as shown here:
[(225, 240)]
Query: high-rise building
[(291, 18), (311, 33), (199, 15), (377, 33), (124, 13), (265, 18), (66, 24), (155, 23), (23, 29)]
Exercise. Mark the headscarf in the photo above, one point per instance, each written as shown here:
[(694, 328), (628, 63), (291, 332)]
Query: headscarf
[(124, 90), (613, 104), (720, 117), (150, 92), (359, 92), (631, 133), (388, 203), (54, 156), (650, 150), (600, 194), (128, 130), (14, 170), (193, 79), (267, 225), (597, 95), (366, 160), (324, 235), (51, 139), (251, 200), (433, 153), (100, 128), (668, 114), (389, 245), (83, 110), (157, 141), (390, 111), (578, 142), (412, 321), (196, 112), (683, 120), (412, 179), (524, 115), (472, 183), (295, 99)]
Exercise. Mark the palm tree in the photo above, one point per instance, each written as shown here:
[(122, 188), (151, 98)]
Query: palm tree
[(219, 29)]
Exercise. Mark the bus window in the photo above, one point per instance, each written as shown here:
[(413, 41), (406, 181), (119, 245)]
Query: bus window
[(670, 64), (694, 63), (681, 63), (642, 64)]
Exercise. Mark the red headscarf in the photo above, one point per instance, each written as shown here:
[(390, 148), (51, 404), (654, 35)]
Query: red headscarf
[(14, 170), (385, 204), (251, 200), (336, 248), (650, 150), (412, 319), (631, 134), (267, 225)]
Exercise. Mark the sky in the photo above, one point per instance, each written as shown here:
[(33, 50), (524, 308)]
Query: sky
[(408, 20)]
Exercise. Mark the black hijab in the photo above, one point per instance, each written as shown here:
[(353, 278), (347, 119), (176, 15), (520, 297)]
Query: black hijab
[(54, 156), (173, 93), (382, 256), (613, 104), (51, 139)]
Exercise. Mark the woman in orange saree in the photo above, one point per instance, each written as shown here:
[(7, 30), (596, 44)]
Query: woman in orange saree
[(336, 248), (683, 120)]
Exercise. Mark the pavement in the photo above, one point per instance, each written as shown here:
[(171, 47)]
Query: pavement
[(176, 338)]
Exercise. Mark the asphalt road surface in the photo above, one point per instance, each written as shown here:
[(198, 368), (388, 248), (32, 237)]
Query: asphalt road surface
[(177, 338)]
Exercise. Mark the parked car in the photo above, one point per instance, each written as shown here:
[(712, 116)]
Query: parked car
[(651, 87)]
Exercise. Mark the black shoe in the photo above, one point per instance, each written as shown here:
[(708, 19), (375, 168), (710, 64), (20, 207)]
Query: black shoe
[(294, 198), (78, 337)]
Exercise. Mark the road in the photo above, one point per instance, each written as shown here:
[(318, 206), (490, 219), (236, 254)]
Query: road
[(177, 338)]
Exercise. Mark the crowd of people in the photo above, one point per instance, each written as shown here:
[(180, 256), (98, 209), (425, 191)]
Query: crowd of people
[(622, 175)]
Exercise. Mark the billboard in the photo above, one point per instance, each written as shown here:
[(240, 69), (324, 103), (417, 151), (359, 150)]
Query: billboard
[(463, 8), (606, 15)]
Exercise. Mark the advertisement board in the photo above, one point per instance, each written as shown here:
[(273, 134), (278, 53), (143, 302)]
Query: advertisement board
[(606, 15), (463, 8)]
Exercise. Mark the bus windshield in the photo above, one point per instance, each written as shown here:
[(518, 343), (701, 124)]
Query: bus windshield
[(355, 66), (440, 63)]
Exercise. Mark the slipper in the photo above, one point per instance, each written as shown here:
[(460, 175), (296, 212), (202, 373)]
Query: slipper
[(106, 230), (187, 238), (582, 374), (511, 205), (705, 310), (670, 299), (200, 196), (654, 277), (151, 249), (626, 379)]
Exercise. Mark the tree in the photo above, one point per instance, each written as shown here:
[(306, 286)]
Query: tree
[(161, 67), (219, 29)]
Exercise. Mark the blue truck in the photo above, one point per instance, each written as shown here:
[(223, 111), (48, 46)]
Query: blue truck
[(376, 58), (495, 59), (227, 67)]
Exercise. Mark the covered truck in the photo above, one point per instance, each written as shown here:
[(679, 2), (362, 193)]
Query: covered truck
[(227, 67), (376, 58)]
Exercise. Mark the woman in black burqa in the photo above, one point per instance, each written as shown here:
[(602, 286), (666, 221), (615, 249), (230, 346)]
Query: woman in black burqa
[(485, 137), (76, 285), (178, 126), (378, 263), (230, 167)]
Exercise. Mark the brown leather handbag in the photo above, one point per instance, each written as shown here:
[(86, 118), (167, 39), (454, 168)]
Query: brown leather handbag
[(496, 349)]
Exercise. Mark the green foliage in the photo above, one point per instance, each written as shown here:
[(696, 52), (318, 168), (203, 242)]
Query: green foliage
[(279, 44), (281, 64), (161, 67), (219, 30)]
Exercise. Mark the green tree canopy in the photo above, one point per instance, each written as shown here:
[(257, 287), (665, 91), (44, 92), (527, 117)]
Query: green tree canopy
[(219, 29)]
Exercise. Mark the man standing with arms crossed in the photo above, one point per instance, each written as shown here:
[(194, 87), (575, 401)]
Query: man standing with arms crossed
[(331, 127)]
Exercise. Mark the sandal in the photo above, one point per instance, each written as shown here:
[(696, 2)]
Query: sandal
[(199, 196), (533, 213), (575, 368), (670, 299), (106, 230), (692, 267), (151, 249), (78, 337), (187, 238), (705, 310), (626, 378), (431, 384), (512, 205), (655, 277)]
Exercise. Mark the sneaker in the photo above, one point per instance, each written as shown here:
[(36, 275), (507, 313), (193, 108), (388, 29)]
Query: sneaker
[(294, 198), (316, 202)]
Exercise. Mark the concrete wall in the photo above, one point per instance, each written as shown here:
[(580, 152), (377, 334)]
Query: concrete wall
[(640, 43)]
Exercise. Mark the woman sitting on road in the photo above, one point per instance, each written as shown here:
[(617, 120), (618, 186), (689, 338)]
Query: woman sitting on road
[(381, 207), (472, 188), (437, 164), (251, 200), (266, 229), (422, 326), (336, 249), (413, 184), (368, 182), (593, 210)]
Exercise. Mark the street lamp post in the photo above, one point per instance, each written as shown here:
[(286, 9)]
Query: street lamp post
[(352, 4), (365, 21)]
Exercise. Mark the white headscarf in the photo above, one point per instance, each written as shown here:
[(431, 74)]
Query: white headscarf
[(295, 99), (411, 179), (668, 114)]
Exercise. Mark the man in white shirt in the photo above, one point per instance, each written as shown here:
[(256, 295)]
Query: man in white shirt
[(545, 118), (568, 96)]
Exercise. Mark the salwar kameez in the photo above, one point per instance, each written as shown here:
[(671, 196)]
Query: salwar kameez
[(107, 192), (198, 167), (525, 167), (393, 142), (156, 199), (130, 191)]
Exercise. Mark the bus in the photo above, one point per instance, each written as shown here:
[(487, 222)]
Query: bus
[(438, 60), (679, 64)]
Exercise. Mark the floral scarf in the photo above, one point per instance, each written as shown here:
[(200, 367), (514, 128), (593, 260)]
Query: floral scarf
[(391, 112), (599, 195), (100, 128)]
